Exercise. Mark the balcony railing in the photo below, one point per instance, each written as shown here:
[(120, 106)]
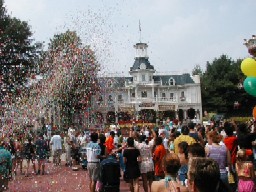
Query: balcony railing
[(129, 83), (137, 100)]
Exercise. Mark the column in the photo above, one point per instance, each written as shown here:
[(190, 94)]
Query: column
[(158, 93), (185, 113), (129, 95), (116, 109), (153, 96)]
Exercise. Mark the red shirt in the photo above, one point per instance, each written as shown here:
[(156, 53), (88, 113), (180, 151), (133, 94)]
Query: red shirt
[(159, 153), (231, 144), (110, 144)]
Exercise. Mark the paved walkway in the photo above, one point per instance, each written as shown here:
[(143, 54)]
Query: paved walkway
[(57, 179)]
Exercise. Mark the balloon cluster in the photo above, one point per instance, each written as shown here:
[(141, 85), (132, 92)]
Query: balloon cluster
[(248, 67)]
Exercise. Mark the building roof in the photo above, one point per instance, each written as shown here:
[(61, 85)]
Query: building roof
[(116, 82), (179, 79), (138, 61)]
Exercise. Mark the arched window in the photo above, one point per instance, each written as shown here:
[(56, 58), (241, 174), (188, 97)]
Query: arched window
[(171, 81)]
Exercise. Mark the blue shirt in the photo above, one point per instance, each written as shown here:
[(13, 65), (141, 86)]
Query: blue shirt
[(5, 162)]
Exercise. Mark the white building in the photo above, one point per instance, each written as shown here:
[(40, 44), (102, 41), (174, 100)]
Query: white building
[(147, 96)]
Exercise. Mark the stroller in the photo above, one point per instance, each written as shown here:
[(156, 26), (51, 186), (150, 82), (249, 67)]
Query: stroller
[(110, 175), (83, 157)]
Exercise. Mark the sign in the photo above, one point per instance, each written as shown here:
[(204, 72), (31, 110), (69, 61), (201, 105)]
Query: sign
[(147, 105), (125, 108), (166, 107)]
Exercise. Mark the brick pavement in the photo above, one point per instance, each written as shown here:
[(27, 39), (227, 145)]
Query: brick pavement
[(60, 178)]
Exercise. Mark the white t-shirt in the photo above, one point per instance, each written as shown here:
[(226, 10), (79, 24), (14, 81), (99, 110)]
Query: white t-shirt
[(56, 142), (146, 132), (161, 131), (165, 143), (92, 151), (151, 142)]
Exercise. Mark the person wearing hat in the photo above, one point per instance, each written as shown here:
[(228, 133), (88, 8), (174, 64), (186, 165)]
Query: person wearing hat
[(5, 166)]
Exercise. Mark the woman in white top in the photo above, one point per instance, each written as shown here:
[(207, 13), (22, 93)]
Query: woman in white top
[(146, 165)]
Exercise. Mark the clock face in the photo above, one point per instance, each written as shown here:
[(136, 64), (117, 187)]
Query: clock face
[(142, 66)]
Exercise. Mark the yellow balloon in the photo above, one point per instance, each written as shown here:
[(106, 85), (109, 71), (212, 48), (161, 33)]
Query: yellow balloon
[(248, 67)]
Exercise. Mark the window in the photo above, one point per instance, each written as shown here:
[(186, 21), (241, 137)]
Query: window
[(143, 78), (110, 98), (109, 84), (182, 96), (171, 81), (155, 95), (120, 97), (144, 94), (171, 96), (163, 95), (133, 94)]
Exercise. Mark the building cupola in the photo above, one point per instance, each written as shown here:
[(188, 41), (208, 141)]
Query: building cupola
[(141, 58)]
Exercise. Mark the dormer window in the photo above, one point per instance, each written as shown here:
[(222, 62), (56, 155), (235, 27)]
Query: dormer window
[(171, 81), (109, 84)]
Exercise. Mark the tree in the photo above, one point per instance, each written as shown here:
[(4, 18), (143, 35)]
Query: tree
[(76, 69), (197, 70), (17, 54), (221, 87)]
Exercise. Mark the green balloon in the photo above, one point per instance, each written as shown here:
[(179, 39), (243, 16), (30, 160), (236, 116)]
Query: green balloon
[(250, 85)]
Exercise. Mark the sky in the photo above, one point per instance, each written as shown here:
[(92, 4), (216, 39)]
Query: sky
[(180, 33)]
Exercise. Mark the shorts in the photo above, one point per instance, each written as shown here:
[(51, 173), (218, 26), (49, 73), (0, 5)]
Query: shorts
[(18, 155), (151, 175), (29, 156), (57, 153), (75, 154), (94, 171)]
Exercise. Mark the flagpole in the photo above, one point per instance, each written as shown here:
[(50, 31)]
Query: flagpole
[(140, 30)]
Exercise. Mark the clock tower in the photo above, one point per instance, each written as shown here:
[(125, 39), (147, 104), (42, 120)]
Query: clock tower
[(141, 71)]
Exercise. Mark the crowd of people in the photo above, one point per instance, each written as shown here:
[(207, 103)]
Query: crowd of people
[(168, 157)]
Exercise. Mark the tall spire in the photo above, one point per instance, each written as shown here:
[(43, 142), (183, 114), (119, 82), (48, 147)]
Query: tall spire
[(140, 30)]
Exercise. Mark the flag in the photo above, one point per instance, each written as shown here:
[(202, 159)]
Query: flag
[(139, 26)]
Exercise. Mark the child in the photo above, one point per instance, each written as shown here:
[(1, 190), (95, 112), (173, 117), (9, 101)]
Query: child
[(183, 156), (245, 172)]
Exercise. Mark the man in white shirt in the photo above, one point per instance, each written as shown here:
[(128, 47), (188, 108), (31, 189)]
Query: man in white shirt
[(56, 144), (93, 151)]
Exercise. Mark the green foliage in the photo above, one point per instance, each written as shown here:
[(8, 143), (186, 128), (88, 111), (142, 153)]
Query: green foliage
[(80, 82), (197, 70), (220, 87), (17, 53)]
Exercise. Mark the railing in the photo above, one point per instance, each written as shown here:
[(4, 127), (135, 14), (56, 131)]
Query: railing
[(155, 99), (128, 83), (138, 100)]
